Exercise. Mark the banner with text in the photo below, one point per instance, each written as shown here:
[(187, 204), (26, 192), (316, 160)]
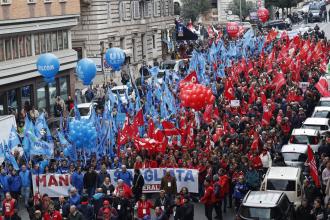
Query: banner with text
[(54, 185), (152, 178)]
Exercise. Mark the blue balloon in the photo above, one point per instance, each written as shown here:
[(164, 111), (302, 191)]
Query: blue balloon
[(115, 58), (66, 152), (48, 66), (86, 70)]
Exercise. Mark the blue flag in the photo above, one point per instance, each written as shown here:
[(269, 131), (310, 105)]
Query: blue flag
[(42, 148), (13, 138), (9, 157), (62, 139), (76, 112), (41, 126)]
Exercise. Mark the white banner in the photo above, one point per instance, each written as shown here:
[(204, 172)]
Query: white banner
[(152, 178), (54, 185)]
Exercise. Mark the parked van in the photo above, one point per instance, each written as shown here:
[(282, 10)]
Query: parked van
[(321, 112), (266, 205), (284, 179), (324, 101), (306, 137), (320, 124), (294, 155)]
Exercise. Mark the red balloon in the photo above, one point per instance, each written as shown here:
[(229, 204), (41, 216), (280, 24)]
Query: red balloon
[(232, 29), (263, 14)]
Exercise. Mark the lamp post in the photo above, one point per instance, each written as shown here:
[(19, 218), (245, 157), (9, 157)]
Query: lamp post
[(102, 59), (240, 10)]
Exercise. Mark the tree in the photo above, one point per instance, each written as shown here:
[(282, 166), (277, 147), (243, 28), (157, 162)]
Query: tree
[(247, 6), (191, 9)]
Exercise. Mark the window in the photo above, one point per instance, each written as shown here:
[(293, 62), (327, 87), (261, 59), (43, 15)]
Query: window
[(60, 40), (52, 95), (143, 43), (28, 45), (281, 185), (136, 9), (147, 9), (153, 41), (12, 101), (26, 94), (47, 1), (177, 8), (134, 50), (41, 96), (63, 88), (54, 41), (31, 1), (49, 42), (36, 44), (5, 2), (42, 43), (8, 49), (125, 11), (2, 103), (14, 44), (156, 8), (2, 51), (65, 40), (22, 46), (122, 43)]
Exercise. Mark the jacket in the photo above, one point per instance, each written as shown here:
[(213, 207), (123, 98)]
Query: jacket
[(74, 200), (169, 185), (25, 178), (4, 183), (77, 180), (224, 183), (207, 198), (252, 178), (163, 203), (143, 208), (90, 179), (97, 201), (86, 210), (126, 177), (188, 211), (138, 183), (77, 216), (240, 190), (55, 216), (108, 190), (64, 208), (101, 177), (14, 183)]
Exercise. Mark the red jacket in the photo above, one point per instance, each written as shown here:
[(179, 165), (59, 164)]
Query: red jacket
[(207, 199), (55, 216), (126, 189), (143, 208), (224, 183), (256, 162)]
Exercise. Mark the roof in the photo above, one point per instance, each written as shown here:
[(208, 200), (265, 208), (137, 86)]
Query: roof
[(84, 105), (294, 148), (326, 99), (262, 198), (307, 132), (119, 87), (316, 121), (322, 108), (287, 173)]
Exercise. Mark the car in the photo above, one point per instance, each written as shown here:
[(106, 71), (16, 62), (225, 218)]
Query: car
[(306, 137), (321, 112), (284, 179), (277, 24), (324, 101), (174, 65), (85, 110), (294, 155), (320, 124), (121, 90), (266, 205), (315, 11)]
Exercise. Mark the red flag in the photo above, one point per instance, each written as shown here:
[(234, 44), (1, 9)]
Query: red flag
[(216, 113), (170, 129), (252, 97), (322, 86), (285, 36), (312, 166), (271, 36), (323, 66), (161, 139), (123, 134), (255, 142), (250, 67), (267, 115), (190, 78), (151, 128), (263, 99), (207, 116), (138, 119), (278, 81), (190, 137), (229, 90)]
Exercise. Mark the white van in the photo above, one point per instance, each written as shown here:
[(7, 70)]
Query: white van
[(284, 179), (324, 101), (321, 112), (294, 155), (320, 124), (306, 137)]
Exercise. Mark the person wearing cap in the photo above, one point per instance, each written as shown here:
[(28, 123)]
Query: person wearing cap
[(168, 183), (207, 199), (143, 207), (108, 210), (164, 203), (85, 208), (125, 175), (90, 181)]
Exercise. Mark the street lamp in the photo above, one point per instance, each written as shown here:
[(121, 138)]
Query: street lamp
[(240, 10), (102, 58)]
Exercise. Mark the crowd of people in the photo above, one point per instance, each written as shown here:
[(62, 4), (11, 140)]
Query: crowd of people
[(231, 147)]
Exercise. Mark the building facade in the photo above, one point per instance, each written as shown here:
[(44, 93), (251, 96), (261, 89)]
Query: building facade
[(29, 28), (142, 28)]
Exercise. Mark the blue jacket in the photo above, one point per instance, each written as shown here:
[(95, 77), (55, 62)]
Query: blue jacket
[(74, 200), (4, 183), (15, 183), (126, 177), (25, 178), (240, 190), (77, 180)]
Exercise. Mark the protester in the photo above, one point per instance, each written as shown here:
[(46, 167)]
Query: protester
[(9, 208), (52, 214), (138, 183), (168, 184), (123, 188), (107, 210), (159, 214), (143, 207), (188, 209), (62, 206), (75, 214), (77, 180), (239, 191), (90, 181), (85, 208), (164, 203), (207, 199), (74, 198), (102, 175), (14, 184), (125, 175), (107, 187), (123, 206)]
